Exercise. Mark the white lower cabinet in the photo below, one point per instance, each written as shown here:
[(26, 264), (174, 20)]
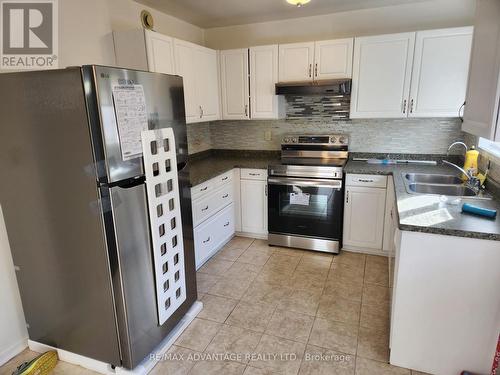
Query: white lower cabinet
[(254, 201), (214, 218), (364, 213), (391, 218), (212, 234)]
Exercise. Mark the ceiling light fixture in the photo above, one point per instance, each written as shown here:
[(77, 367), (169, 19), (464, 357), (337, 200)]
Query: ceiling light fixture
[(298, 3)]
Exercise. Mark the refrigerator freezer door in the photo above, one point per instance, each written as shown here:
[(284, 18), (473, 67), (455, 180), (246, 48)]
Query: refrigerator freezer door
[(164, 98)]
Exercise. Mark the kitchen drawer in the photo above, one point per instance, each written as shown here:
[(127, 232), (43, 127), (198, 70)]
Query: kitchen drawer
[(212, 234), (208, 186), (367, 180), (223, 178), (253, 174), (208, 204), (202, 189)]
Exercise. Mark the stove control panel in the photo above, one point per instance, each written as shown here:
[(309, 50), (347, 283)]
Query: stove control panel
[(336, 139)]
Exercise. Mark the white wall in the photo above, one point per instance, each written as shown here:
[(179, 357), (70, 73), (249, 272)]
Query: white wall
[(410, 17), (13, 334), (124, 15), (85, 28)]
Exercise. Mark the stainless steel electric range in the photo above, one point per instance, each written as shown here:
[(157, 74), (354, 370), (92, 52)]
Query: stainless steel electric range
[(306, 193)]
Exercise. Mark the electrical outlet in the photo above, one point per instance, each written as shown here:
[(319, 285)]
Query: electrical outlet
[(267, 135)]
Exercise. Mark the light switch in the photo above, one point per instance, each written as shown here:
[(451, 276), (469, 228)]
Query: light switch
[(267, 135)]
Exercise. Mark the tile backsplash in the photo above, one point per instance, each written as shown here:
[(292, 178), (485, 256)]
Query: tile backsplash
[(198, 137), (317, 108), (423, 136)]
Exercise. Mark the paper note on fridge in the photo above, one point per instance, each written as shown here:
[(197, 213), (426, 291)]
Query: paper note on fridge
[(299, 198), (131, 118)]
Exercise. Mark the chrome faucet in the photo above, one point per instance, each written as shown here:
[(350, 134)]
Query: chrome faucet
[(456, 144), (472, 181)]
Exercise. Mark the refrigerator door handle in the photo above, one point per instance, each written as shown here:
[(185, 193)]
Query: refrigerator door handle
[(126, 184), (181, 165)]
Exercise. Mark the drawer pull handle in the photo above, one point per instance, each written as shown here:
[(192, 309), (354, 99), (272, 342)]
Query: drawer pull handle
[(225, 196), (204, 209), (225, 178), (207, 240), (227, 224), (364, 180), (254, 174), (205, 188)]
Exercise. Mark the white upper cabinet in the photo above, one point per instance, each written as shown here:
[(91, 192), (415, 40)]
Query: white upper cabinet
[(160, 52), (327, 59), (296, 62), (185, 66), (197, 65), (333, 59), (440, 71), (483, 94), (381, 75), (207, 83), (263, 78), (234, 84), (144, 50)]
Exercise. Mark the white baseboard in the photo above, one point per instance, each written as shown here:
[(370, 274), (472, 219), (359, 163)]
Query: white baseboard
[(13, 350), (252, 235), (365, 251), (143, 368)]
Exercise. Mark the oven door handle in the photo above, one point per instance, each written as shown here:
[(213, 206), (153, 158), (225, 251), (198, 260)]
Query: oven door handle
[(335, 184)]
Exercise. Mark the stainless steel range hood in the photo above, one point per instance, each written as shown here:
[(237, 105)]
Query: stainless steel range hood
[(323, 87)]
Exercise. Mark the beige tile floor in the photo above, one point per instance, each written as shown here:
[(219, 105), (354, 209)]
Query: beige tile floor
[(271, 310)]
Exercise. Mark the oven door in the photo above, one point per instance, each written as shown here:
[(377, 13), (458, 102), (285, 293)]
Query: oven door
[(305, 207)]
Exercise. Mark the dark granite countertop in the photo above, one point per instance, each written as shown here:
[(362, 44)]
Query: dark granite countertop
[(429, 213), (417, 212), (206, 165)]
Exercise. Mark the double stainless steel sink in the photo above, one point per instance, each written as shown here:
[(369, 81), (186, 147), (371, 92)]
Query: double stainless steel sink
[(439, 184)]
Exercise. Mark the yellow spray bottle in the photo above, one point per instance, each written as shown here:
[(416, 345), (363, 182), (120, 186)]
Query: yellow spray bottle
[(470, 164)]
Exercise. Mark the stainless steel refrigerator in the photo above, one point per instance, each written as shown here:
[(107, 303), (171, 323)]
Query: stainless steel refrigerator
[(75, 208)]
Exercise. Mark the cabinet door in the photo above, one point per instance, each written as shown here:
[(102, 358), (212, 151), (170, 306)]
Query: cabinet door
[(390, 217), (185, 66), (207, 82), (263, 78), (296, 62), (160, 51), (381, 75), (234, 84), (483, 93), (253, 206), (364, 217), (440, 71), (333, 59)]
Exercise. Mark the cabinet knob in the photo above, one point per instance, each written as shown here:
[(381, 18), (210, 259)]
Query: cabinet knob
[(411, 106), (404, 106), (225, 196), (204, 209), (316, 70), (347, 196), (310, 70), (227, 224), (246, 110), (207, 240)]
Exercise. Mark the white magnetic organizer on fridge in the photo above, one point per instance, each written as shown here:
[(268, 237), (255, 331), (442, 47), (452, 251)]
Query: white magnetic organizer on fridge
[(160, 166)]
